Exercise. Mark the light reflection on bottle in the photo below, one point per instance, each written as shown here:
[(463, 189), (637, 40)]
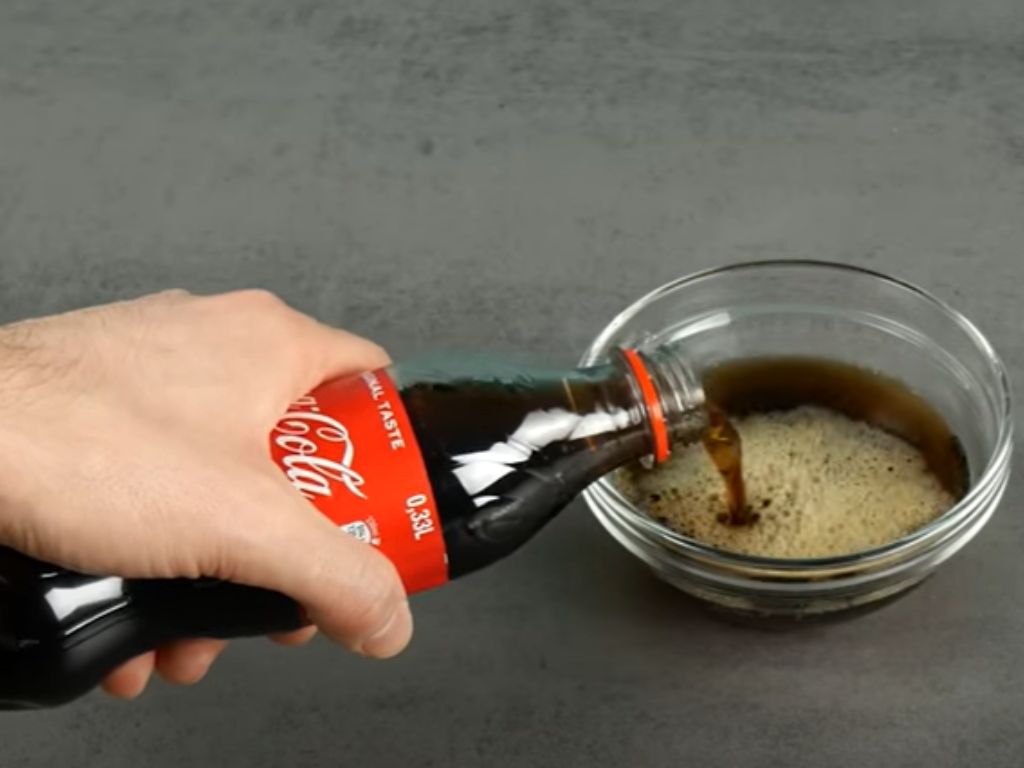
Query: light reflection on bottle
[(90, 601), (480, 470)]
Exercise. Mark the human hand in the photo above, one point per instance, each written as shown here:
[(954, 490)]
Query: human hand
[(134, 441)]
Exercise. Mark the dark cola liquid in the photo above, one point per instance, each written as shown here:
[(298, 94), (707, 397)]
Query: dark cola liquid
[(760, 385), (503, 456), (725, 449)]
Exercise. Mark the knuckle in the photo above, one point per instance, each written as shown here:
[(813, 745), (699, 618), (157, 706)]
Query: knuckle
[(255, 309), (264, 313), (171, 295), (257, 300), (257, 318)]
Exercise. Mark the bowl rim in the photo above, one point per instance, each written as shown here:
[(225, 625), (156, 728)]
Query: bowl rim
[(995, 471)]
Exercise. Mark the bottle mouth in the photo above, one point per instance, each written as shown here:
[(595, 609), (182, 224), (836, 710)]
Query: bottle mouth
[(652, 404), (672, 396)]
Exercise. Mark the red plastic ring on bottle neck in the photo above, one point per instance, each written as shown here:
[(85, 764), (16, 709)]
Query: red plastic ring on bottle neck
[(652, 402)]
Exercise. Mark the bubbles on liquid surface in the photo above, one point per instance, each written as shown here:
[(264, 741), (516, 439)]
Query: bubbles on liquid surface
[(822, 484)]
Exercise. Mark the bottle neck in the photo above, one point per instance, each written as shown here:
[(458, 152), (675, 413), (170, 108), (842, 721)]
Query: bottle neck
[(670, 393)]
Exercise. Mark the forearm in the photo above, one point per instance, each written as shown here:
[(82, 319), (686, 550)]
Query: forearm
[(15, 361)]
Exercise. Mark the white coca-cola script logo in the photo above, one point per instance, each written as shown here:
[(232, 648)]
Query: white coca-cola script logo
[(307, 470)]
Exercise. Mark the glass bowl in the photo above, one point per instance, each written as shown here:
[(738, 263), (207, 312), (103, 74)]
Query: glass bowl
[(785, 308)]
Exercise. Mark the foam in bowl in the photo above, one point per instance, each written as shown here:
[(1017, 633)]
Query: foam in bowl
[(823, 485)]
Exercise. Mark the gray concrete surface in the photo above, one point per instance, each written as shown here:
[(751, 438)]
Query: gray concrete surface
[(505, 175)]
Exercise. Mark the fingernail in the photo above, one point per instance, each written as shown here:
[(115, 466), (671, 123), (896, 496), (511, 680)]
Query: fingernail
[(393, 635)]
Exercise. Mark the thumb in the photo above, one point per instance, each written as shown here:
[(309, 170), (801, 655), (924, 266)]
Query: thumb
[(349, 590)]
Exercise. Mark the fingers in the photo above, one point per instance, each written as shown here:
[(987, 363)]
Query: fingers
[(187, 661), (131, 678), (349, 590), (292, 639), (333, 352), (324, 352)]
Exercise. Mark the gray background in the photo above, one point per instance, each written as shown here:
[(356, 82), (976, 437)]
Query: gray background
[(505, 176)]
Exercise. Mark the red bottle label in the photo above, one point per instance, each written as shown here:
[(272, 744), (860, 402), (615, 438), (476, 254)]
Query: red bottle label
[(349, 448)]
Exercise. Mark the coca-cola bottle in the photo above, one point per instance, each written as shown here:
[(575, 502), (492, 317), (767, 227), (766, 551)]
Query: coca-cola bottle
[(445, 468)]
